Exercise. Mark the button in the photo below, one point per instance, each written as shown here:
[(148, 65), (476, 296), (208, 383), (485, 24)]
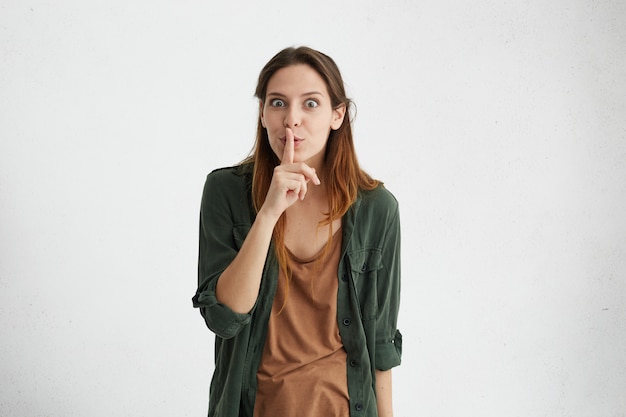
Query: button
[(346, 322), (363, 267), (344, 277), (353, 363), (358, 407)]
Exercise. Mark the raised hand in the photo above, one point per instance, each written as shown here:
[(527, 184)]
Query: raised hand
[(290, 180)]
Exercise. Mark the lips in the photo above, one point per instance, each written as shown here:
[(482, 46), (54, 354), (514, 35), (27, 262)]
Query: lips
[(296, 140)]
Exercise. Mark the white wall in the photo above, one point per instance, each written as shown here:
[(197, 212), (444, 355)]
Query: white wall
[(500, 126)]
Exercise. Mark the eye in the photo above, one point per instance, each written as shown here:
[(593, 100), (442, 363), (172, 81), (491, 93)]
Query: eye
[(311, 104), (277, 103)]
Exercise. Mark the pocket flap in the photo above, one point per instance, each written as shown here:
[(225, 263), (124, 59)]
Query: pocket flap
[(365, 260)]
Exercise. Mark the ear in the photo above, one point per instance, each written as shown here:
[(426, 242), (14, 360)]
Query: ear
[(261, 115), (338, 114)]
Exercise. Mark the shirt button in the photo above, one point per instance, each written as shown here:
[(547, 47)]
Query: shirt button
[(344, 277), (363, 267), (346, 322), (353, 363), (358, 406)]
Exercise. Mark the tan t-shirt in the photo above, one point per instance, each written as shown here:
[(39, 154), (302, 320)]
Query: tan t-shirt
[(303, 367)]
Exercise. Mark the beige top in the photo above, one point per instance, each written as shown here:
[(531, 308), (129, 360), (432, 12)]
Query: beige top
[(303, 367)]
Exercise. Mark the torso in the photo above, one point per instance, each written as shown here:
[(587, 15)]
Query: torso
[(303, 366)]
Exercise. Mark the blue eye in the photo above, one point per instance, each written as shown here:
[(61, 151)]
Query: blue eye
[(277, 103), (310, 103)]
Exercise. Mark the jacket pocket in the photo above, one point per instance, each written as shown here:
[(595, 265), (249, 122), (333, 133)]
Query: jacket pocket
[(364, 267)]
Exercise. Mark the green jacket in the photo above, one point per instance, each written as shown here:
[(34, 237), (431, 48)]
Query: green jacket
[(367, 300)]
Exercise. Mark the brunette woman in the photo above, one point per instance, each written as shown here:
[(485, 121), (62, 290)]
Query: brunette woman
[(299, 262)]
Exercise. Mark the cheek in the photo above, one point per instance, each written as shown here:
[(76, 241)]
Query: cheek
[(266, 118), (275, 147)]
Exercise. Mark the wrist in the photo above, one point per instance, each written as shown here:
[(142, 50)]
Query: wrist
[(267, 214), (266, 219)]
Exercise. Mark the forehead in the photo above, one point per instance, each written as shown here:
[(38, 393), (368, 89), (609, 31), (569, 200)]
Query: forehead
[(295, 80)]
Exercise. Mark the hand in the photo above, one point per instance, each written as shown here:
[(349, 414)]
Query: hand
[(289, 182)]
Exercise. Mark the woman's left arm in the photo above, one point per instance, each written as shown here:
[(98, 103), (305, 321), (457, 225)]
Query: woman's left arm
[(383, 393), (388, 338)]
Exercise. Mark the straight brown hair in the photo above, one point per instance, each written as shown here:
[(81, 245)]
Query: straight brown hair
[(343, 175)]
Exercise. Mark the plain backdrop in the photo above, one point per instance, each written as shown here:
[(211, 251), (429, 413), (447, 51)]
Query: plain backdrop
[(500, 126)]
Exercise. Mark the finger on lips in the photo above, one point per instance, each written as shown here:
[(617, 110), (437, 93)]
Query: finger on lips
[(289, 148), (305, 170)]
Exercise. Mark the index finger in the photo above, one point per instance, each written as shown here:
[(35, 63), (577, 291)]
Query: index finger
[(289, 148)]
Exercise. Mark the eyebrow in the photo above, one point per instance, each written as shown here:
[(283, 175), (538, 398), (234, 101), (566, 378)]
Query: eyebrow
[(310, 93)]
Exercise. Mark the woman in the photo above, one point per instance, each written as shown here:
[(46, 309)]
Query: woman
[(299, 259)]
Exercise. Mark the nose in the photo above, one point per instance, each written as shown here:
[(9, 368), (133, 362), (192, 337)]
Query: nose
[(293, 117)]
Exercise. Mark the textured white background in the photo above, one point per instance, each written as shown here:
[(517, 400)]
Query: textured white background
[(499, 125)]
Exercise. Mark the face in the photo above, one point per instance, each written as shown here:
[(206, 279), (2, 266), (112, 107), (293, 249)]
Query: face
[(297, 98)]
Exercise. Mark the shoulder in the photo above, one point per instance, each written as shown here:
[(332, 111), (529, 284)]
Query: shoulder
[(375, 210), (380, 200), (228, 178), (229, 186), (231, 173), (373, 220)]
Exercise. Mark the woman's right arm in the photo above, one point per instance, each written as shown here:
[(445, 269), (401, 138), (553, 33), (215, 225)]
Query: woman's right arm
[(238, 286)]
